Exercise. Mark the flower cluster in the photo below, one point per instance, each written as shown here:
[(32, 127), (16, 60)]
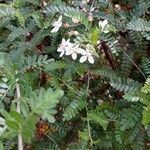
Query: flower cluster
[(68, 48)]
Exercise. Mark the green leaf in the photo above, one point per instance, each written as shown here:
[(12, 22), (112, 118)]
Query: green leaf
[(6, 115), (146, 88), (24, 108), (2, 121), (13, 125), (44, 100), (69, 12), (94, 36), (1, 146), (146, 116), (38, 18), (10, 134), (98, 117), (73, 109), (50, 118), (139, 25), (29, 127), (1, 106), (18, 117), (84, 135), (6, 10), (20, 18)]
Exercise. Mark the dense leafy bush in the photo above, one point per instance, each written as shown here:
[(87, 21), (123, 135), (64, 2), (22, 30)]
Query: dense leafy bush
[(74, 74)]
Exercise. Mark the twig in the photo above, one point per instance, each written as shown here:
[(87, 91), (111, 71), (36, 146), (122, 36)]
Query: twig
[(52, 140), (71, 88), (135, 64), (88, 121), (7, 91), (20, 141)]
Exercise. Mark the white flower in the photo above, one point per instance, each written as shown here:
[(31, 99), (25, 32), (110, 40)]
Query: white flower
[(72, 50), (104, 25), (57, 24), (90, 17), (44, 3), (87, 55), (117, 7), (64, 46)]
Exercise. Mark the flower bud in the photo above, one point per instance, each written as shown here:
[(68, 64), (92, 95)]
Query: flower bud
[(75, 20), (90, 17), (76, 33), (117, 7)]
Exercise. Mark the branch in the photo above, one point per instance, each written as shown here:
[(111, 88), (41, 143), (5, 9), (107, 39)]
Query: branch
[(87, 111), (20, 141)]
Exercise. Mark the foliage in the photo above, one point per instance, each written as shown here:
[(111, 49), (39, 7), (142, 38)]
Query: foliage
[(82, 69)]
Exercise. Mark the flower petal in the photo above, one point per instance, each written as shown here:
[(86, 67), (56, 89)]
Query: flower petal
[(74, 56), (59, 49), (54, 30), (60, 18), (68, 41), (91, 59), (105, 22), (62, 53), (81, 51), (63, 40), (100, 23), (54, 23), (106, 31), (59, 24), (68, 52), (83, 59)]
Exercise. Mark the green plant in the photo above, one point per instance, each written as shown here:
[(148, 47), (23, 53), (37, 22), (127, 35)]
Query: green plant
[(74, 74)]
